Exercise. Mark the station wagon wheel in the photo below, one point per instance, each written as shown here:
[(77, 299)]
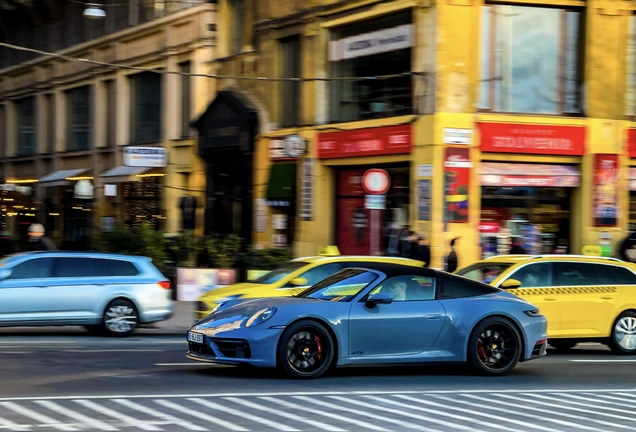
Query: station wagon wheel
[(120, 318), (494, 347), (623, 337), (305, 350)]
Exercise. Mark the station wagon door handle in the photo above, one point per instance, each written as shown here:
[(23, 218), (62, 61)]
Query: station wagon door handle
[(433, 316), (550, 298), (607, 297)]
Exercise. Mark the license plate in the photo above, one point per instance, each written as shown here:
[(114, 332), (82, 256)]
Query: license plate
[(195, 337)]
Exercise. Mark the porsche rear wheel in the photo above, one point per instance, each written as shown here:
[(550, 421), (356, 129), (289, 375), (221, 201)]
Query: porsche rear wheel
[(305, 350), (494, 347)]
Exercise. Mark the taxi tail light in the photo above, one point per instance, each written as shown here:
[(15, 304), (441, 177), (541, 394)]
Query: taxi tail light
[(164, 284)]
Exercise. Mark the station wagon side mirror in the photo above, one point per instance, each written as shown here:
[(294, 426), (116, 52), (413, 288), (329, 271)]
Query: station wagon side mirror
[(5, 273), (298, 281), (510, 284), (379, 298)]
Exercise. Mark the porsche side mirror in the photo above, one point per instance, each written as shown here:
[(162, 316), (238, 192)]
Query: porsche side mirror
[(5, 274), (298, 282), (510, 284), (379, 298)]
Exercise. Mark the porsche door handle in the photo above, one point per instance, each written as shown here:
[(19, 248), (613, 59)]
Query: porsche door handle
[(433, 316)]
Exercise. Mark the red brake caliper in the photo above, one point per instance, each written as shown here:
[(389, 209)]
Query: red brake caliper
[(481, 352), (319, 347)]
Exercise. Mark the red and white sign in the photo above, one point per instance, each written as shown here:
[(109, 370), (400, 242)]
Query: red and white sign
[(532, 139), (376, 181), (631, 143), (529, 181), (489, 227), (387, 140)]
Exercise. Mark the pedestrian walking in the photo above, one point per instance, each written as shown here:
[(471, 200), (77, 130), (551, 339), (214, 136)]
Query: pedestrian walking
[(37, 240), (451, 259), (423, 252)]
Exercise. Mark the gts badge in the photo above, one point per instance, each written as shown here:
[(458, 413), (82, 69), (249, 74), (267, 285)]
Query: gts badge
[(357, 353)]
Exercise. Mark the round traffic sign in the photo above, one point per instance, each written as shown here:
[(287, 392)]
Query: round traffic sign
[(376, 181)]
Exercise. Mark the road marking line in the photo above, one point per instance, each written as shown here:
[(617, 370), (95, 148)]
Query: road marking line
[(602, 361), (205, 417), (486, 407), (159, 414), (247, 416), (594, 406), (110, 350), (596, 400), (569, 408), (490, 401), (364, 414), (404, 413), (45, 420), (193, 364), (325, 414), (8, 424), (130, 421), (620, 399), (309, 393), (76, 416), (471, 412)]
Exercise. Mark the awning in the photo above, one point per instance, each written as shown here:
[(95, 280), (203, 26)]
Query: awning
[(124, 174), (281, 186), (528, 175), (59, 178)]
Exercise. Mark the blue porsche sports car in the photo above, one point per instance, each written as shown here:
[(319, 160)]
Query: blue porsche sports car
[(380, 314)]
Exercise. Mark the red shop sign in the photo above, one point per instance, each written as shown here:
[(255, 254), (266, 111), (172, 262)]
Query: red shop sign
[(377, 141), (631, 142), (532, 139)]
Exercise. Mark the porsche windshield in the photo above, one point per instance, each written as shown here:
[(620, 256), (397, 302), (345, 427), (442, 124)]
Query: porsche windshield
[(341, 287)]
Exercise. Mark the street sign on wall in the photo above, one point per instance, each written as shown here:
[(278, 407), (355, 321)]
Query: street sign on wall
[(376, 181), (148, 157)]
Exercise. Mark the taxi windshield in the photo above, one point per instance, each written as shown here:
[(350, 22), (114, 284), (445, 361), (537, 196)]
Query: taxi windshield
[(341, 287), (484, 271), (281, 272)]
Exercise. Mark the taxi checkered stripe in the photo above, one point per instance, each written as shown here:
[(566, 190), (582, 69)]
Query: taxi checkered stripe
[(565, 290)]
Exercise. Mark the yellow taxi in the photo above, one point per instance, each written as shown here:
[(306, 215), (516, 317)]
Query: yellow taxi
[(291, 278), (584, 298)]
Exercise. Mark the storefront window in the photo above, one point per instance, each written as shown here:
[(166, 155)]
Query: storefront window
[(372, 48), (353, 220), (143, 202), (531, 60), (535, 218)]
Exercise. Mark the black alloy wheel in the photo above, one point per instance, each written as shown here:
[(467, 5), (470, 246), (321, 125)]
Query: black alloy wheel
[(305, 350), (561, 345), (494, 347)]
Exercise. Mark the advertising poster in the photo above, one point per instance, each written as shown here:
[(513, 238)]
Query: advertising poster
[(457, 167), (193, 282), (424, 199), (605, 198)]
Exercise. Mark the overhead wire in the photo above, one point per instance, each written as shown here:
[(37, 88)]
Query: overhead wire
[(211, 76)]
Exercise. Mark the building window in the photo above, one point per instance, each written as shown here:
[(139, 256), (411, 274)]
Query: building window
[(237, 22), (79, 118), (531, 60), (630, 94), (186, 112), (369, 49), (290, 48), (26, 126), (50, 123), (111, 112), (146, 109), (3, 131)]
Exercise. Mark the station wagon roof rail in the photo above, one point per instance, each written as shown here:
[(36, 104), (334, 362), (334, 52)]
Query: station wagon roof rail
[(554, 256)]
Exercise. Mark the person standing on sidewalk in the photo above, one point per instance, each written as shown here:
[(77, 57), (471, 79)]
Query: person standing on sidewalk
[(423, 252), (37, 240), (451, 259)]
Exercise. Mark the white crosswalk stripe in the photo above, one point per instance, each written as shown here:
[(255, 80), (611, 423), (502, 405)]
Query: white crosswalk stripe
[(526, 411)]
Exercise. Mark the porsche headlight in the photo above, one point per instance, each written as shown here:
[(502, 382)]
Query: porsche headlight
[(260, 317)]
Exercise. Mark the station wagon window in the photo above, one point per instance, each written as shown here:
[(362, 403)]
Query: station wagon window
[(280, 272), (617, 275), (480, 271), (32, 269), (576, 274), (319, 273), (341, 287), (534, 275), (93, 267), (408, 288)]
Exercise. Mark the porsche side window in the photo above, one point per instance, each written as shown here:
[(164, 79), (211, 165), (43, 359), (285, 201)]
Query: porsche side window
[(534, 275), (408, 288)]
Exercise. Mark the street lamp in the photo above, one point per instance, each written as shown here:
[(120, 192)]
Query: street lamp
[(94, 11)]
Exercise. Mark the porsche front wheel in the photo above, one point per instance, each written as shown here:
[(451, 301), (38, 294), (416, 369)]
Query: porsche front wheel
[(305, 350), (494, 347)]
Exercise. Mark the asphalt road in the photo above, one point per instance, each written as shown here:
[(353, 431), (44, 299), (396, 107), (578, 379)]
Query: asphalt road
[(72, 381)]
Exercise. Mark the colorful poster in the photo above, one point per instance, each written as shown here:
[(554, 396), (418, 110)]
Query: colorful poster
[(457, 167), (193, 282), (605, 203), (424, 199)]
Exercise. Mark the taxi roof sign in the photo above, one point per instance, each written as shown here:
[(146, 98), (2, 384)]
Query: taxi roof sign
[(328, 250)]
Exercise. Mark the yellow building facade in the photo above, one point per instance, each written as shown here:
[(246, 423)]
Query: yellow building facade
[(516, 124)]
